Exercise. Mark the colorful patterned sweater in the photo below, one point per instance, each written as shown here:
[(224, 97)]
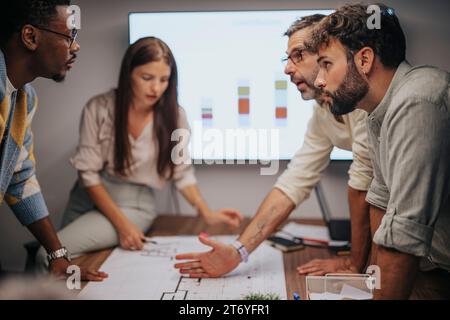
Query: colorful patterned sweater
[(18, 184)]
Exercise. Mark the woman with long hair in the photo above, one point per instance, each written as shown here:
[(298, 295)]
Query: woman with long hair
[(126, 151)]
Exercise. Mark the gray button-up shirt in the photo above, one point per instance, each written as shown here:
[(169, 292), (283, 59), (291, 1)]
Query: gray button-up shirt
[(409, 144)]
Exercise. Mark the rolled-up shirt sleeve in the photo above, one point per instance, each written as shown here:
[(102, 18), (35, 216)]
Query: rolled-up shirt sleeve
[(418, 176), (88, 158), (378, 194), (360, 171), (305, 169), (184, 174)]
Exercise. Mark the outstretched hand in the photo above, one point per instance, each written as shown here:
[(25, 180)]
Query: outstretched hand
[(221, 259)]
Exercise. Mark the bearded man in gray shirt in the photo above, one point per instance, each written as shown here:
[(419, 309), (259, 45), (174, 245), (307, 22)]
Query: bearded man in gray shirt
[(409, 139)]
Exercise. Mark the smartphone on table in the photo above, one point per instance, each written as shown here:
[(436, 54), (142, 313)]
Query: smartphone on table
[(284, 244)]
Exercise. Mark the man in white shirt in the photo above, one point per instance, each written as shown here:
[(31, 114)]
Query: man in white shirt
[(295, 185)]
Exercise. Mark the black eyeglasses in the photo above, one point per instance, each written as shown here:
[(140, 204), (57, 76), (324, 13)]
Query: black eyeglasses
[(71, 39), (296, 55)]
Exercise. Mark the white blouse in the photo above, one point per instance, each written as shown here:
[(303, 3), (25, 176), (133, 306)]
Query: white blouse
[(95, 151)]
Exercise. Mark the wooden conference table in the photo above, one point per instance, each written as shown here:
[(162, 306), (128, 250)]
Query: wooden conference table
[(428, 286)]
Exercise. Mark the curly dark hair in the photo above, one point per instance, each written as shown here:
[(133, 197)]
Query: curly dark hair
[(17, 13), (349, 25)]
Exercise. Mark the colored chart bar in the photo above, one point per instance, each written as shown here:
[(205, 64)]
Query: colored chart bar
[(244, 106), (207, 112), (281, 110), (244, 103)]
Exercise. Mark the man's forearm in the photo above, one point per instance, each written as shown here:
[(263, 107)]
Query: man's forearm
[(45, 233), (398, 273), (360, 222), (275, 208), (376, 215), (398, 270)]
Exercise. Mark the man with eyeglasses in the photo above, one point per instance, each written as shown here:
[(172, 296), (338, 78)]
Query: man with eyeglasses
[(35, 42), (304, 171)]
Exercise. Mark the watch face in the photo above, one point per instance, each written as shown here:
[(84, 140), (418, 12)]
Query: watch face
[(66, 254), (60, 253)]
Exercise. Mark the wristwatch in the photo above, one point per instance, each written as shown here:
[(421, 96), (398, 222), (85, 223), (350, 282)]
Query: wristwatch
[(60, 253)]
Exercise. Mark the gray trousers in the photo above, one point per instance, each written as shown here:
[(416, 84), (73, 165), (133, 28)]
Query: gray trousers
[(85, 229)]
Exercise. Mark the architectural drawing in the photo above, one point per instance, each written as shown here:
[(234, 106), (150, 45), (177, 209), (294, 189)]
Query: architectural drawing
[(149, 274)]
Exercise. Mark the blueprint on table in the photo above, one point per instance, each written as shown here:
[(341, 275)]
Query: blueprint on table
[(149, 274)]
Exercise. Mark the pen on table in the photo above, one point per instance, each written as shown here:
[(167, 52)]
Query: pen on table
[(296, 296), (149, 240), (305, 239), (312, 241), (325, 242)]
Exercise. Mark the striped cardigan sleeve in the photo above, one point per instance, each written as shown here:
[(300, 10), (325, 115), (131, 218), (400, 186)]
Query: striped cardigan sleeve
[(24, 193)]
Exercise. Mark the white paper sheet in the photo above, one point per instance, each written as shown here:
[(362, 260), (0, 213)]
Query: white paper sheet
[(325, 296), (347, 292), (351, 292), (150, 275)]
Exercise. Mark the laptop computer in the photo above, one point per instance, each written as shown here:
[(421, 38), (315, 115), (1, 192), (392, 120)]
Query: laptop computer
[(339, 229)]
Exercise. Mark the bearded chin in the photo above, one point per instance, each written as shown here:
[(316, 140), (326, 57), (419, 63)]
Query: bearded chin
[(352, 90), (58, 78), (340, 107)]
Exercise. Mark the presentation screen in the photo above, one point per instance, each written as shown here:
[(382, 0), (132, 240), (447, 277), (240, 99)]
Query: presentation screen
[(239, 103)]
